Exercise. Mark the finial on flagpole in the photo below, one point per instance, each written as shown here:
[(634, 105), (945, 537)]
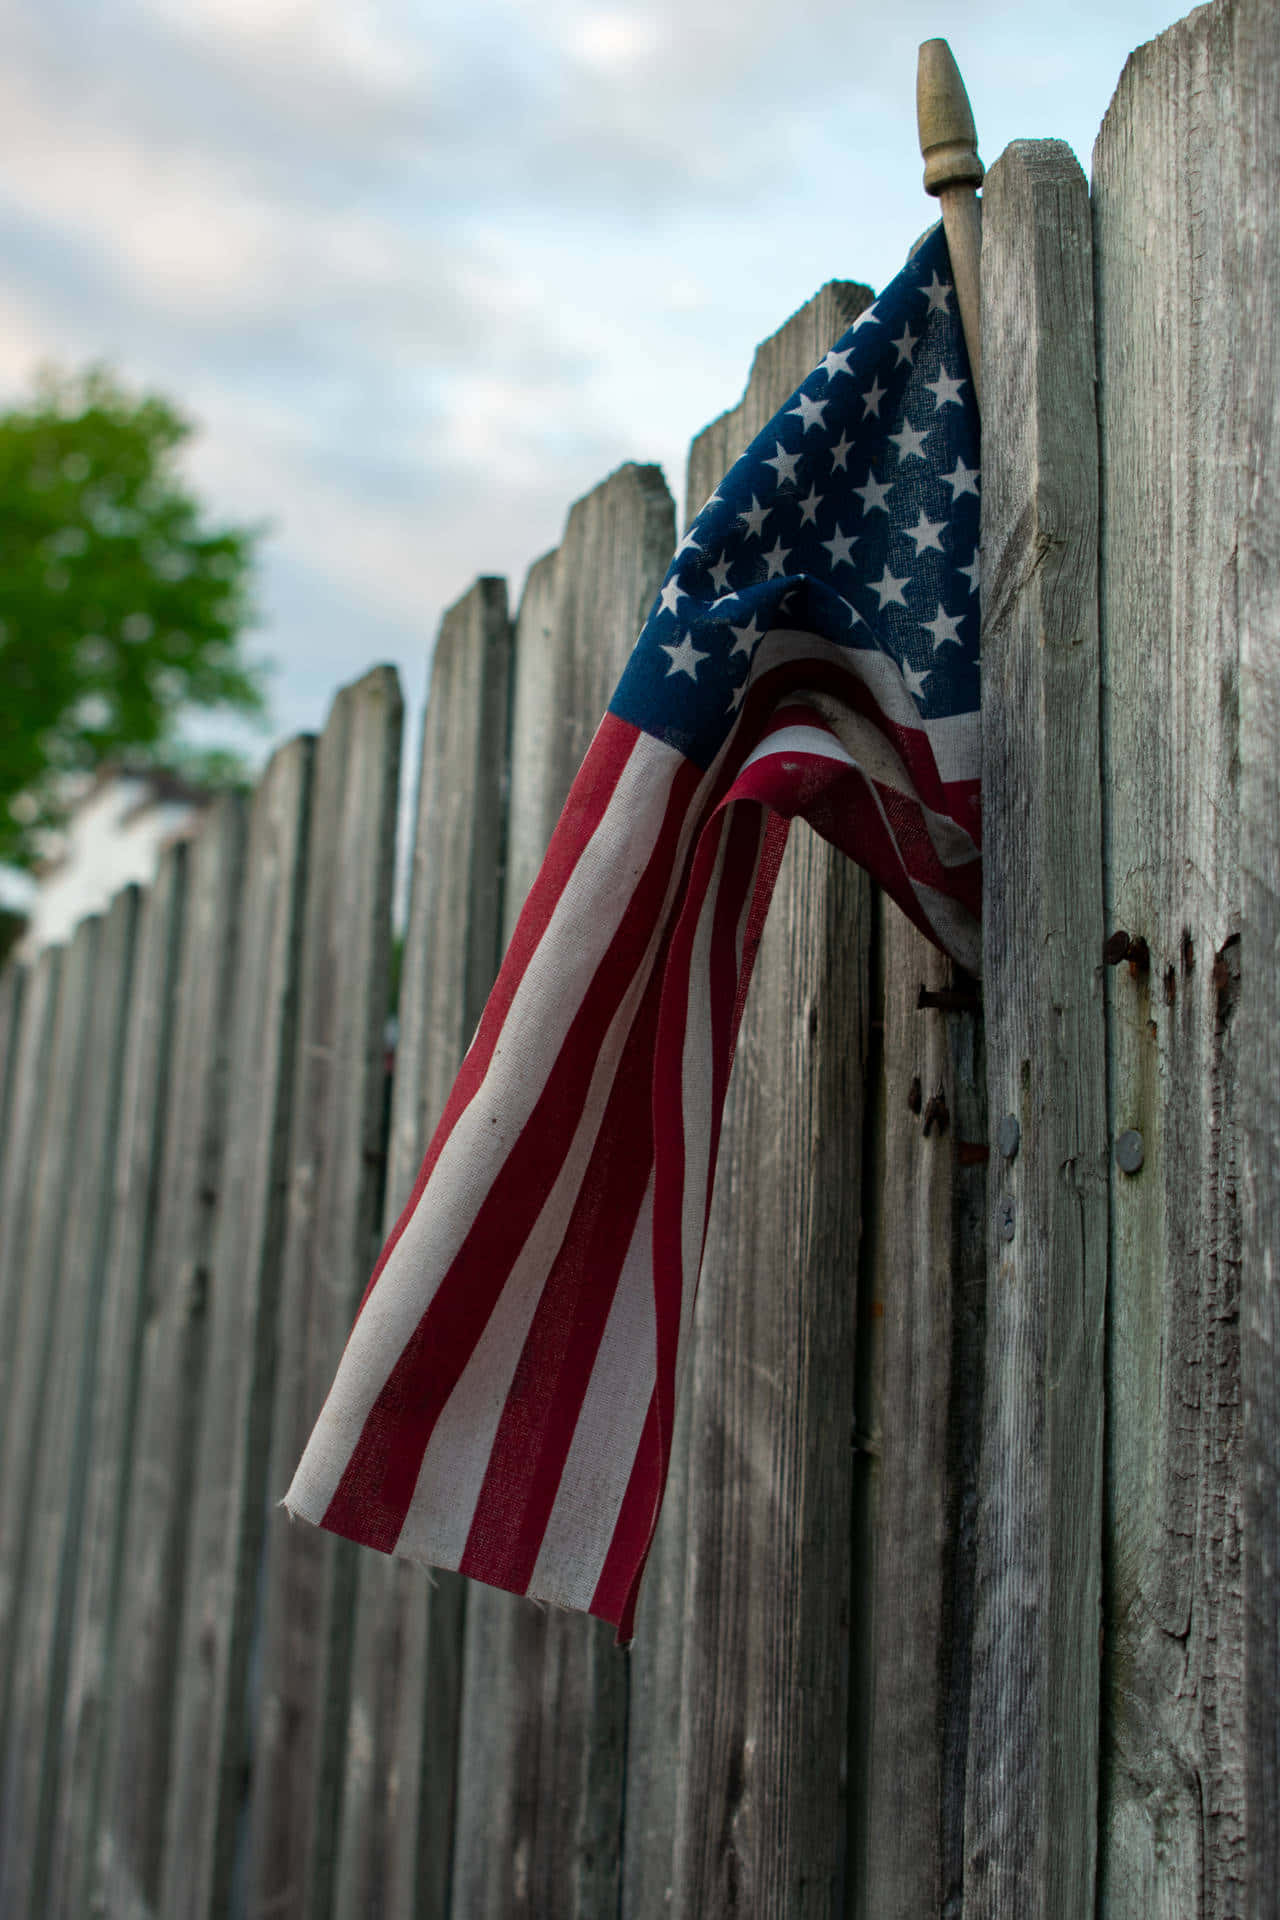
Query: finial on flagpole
[(953, 171)]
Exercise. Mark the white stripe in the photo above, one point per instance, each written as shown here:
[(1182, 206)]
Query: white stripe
[(606, 1439), (873, 755), (956, 742), (575, 941), (696, 1086)]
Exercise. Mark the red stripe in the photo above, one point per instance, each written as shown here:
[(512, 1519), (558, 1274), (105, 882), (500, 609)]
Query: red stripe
[(377, 1484), (589, 800), (619, 1584), (542, 1407)]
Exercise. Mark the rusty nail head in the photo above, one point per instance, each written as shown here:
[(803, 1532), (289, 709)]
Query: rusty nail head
[(1116, 947), (1130, 1151), (1006, 1219), (1008, 1134)]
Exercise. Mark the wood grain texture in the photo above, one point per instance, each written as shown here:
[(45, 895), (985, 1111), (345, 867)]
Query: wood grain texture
[(33, 1253), (401, 1737), (544, 1692), (17, 1173), (1032, 1766), (917, 1399), (302, 1657), (1257, 62), (13, 982), (73, 1759), (756, 1823), (122, 1875), (228, 1489), (1166, 234), (80, 1175)]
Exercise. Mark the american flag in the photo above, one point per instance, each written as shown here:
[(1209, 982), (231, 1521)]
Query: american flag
[(505, 1401)]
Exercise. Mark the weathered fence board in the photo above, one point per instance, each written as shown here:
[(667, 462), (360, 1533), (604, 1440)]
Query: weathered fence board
[(17, 1181), (758, 1818), (72, 1761), (122, 1874), (12, 986), (1167, 211), (334, 1198), (1034, 1706), (398, 1791), (917, 1400), (228, 1489), (38, 1630), (541, 1749), (1257, 64)]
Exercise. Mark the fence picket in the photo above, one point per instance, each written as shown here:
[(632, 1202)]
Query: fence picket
[(1168, 211), (58, 1360), (401, 1740), (121, 1874), (73, 1759), (228, 1490)]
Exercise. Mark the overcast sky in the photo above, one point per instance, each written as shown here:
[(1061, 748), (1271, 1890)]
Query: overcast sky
[(423, 273)]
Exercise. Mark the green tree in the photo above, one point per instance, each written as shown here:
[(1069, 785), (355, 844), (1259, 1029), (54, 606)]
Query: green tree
[(119, 606)]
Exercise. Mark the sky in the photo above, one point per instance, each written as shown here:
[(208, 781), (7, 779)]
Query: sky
[(423, 274)]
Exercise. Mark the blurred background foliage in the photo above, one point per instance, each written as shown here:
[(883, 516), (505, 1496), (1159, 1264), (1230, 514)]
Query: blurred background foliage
[(121, 608)]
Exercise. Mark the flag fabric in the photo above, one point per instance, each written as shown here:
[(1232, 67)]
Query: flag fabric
[(505, 1401)]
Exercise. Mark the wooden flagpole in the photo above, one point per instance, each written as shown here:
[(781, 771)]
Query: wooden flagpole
[(953, 171)]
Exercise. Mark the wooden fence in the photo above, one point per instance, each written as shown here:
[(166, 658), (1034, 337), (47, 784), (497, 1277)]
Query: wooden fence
[(965, 1599)]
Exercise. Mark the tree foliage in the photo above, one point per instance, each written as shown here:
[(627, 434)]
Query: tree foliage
[(119, 606)]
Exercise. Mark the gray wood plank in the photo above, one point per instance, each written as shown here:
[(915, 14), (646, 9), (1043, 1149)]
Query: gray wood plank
[(1257, 48), (917, 1400), (17, 1174), (1167, 213), (334, 1194), (760, 1812), (73, 1759), (13, 982), (61, 1420), (229, 1493), (541, 1746), (33, 1252), (122, 1874), (1032, 1764), (401, 1738)]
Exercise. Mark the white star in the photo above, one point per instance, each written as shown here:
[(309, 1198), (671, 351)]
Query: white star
[(874, 495), (685, 657), (785, 462), (688, 545), (746, 639), (945, 390), (936, 294), (872, 397), (754, 518), (719, 571), (777, 557), (906, 346), (809, 507), (738, 695), (909, 442), (971, 572), (915, 681), (810, 411), (867, 318), (853, 613), (889, 589), (840, 547), (840, 452), (945, 627), (712, 500), (925, 533), (669, 595), (835, 363), (724, 600), (963, 480)]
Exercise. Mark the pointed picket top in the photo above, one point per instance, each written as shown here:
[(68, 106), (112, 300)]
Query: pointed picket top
[(953, 172)]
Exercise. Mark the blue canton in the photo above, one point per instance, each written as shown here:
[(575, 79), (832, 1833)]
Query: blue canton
[(853, 516)]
